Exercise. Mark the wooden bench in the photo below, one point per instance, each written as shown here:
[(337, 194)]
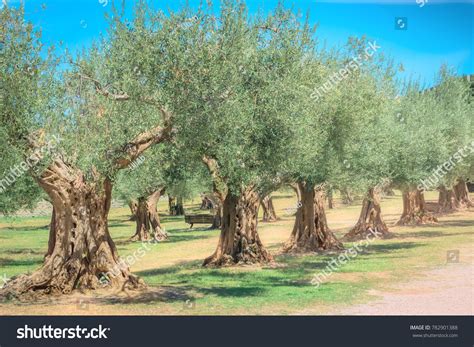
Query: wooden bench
[(198, 219)]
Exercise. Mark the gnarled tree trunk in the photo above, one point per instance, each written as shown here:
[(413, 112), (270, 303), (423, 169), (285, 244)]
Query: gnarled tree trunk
[(148, 219), (179, 206), (217, 209), (171, 204), (269, 214), (176, 207), (447, 200), (330, 197), (346, 196), (462, 194), (414, 209), (80, 250), (387, 191), (239, 242), (133, 205), (370, 219), (310, 231)]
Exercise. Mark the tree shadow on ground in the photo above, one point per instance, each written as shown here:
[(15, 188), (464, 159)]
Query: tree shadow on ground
[(166, 218), (422, 234), (235, 292), (21, 262), (25, 228), (458, 223), (185, 265), (188, 230), (172, 238), (118, 224), (26, 252), (288, 271), (384, 248), (432, 234), (152, 295)]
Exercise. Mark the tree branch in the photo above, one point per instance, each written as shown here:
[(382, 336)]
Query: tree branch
[(100, 89), (266, 27), (133, 149), (219, 185)]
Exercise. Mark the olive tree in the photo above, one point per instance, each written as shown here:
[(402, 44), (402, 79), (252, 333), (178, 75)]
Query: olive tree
[(115, 102), (454, 110), (240, 122)]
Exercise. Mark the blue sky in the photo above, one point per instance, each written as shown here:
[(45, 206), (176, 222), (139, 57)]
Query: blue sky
[(437, 31)]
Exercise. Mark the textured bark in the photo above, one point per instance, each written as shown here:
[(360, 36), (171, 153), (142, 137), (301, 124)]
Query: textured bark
[(81, 252), (310, 231), (80, 248), (269, 214), (206, 203), (388, 191), (462, 194), (330, 197), (175, 205), (217, 210), (148, 219), (447, 200), (239, 242), (171, 204), (133, 205), (179, 208), (414, 209), (347, 197), (370, 219)]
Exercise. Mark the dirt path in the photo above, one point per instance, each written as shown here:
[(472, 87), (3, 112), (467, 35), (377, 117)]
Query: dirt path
[(447, 290)]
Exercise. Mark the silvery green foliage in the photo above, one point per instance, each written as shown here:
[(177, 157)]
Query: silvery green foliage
[(25, 105), (242, 111), (341, 138), (454, 115), (436, 123), (162, 167), (239, 89)]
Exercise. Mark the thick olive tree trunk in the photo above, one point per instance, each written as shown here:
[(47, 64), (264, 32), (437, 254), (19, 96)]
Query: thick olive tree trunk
[(347, 197), (179, 206), (133, 205), (239, 242), (447, 200), (217, 209), (176, 207), (388, 191), (462, 194), (171, 204), (148, 219), (414, 209), (310, 231), (370, 219), (269, 214), (80, 250), (330, 197)]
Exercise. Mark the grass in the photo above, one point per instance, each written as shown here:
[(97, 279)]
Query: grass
[(179, 285)]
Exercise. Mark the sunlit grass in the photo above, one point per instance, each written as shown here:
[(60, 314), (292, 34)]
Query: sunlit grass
[(282, 288)]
